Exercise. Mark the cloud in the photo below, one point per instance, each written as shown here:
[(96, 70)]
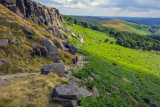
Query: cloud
[(106, 7)]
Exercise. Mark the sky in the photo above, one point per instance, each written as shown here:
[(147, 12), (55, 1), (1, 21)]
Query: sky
[(122, 8)]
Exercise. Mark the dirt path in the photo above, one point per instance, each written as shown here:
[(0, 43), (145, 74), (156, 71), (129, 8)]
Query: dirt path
[(81, 62), (4, 79)]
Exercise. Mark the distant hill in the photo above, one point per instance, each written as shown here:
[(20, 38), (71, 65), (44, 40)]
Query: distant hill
[(121, 25), (146, 21)]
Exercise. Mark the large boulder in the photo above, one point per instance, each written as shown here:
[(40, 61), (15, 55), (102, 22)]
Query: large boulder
[(69, 93), (3, 43), (61, 46), (57, 68), (52, 53)]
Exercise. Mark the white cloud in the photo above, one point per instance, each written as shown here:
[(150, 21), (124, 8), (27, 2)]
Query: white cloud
[(116, 8), (78, 5)]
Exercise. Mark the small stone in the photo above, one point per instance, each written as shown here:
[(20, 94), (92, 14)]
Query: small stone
[(3, 43), (154, 104), (27, 31), (95, 92)]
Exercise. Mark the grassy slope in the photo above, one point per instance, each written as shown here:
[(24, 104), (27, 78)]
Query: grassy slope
[(31, 91), (114, 63), (127, 26), (16, 55)]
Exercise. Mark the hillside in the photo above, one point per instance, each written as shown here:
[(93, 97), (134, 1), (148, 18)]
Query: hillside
[(121, 25), (124, 77), (114, 68)]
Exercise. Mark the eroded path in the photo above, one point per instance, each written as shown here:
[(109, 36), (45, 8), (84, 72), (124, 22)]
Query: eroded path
[(4, 79)]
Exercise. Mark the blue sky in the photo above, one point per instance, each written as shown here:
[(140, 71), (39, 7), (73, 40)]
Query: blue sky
[(131, 8)]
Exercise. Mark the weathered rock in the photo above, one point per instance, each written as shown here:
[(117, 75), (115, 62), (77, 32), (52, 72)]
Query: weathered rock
[(64, 102), (43, 51), (81, 38), (14, 40), (67, 44), (91, 78), (57, 68), (38, 52), (71, 92), (95, 92), (2, 61), (154, 104), (68, 74), (3, 43), (52, 53), (27, 31), (61, 46), (27, 9), (73, 49)]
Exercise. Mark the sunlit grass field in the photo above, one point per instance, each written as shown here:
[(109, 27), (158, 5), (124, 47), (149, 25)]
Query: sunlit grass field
[(136, 73)]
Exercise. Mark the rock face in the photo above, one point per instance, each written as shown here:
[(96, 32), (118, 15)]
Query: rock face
[(57, 33), (3, 43), (52, 51), (68, 95), (38, 13), (57, 68)]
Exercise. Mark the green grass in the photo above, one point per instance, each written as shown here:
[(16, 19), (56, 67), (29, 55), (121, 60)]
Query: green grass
[(113, 63), (137, 28)]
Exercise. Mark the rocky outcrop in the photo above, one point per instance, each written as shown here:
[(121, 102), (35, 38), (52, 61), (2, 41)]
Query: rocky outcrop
[(57, 68), (66, 46), (57, 33), (38, 13), (3, 43), (68, 95), (51, 52)]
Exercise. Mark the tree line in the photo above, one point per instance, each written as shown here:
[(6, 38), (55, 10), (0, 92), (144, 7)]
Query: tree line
[(126, 39)]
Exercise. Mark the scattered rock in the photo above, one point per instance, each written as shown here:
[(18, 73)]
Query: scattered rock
[(2, 61), (67, 44), (3, 43), (68, 95), (68, 74), (27, 31), (114, 84), (73, 50), (61, 46), (14, 40), (154, 104), (94, 41), (52, 53), (91, 78), (136, 86), (43, 50), (95, 92), (57, 68), (95, 74), (81, 38), (64, 102)]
